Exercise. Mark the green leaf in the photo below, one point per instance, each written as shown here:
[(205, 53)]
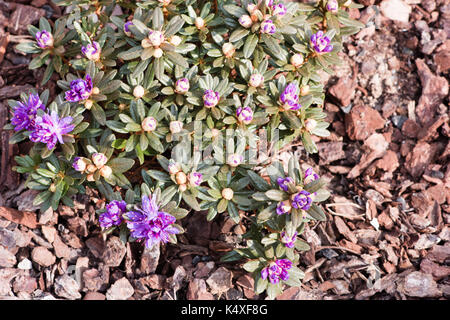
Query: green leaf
[(317, 213), (238, 34), (191, 201), (251, 266), (177, 59), (250, 45), (276, 195), (120, 165)]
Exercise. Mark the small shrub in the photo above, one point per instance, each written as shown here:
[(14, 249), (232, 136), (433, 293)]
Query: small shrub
[(184, 96)]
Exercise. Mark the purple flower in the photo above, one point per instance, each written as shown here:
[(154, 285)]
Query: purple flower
[(25, 113), (277, 271), (44, 39), (289, 97), (310, 176), (267, 26), (126, 28), (244, 115), (289, 93), (150, 225), (113, 214), (283, 208), (92, 51), (287, 240), (283, 183), (321, 43), (195, 179), (50, 128), (279, 9), (302, 200), (332, 5), (79, 164), (210, 98), (79, 89)]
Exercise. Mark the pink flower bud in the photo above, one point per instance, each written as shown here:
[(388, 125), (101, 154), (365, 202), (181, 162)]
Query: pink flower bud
[(149, 124), (199, 23), (297, 60), (176, 126), (310, 124), (156, 38), (99, 159), (227, 193), (256, 80), (139, 92), (228, 49), (106, 171), (245, 21)]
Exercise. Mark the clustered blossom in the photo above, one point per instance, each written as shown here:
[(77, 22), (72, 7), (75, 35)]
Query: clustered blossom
[(49, 129), (195, 179), (289, 97), (92, 51), (283, 208), (267, 26), (287, 240), (283, 183), (321, 43), (25, 113), (245, 115), (277, 271), (302, 200), (211, 98), (80, 89), (150, 225), (182, 86), (44, 39), (156, 38), (113, 216)]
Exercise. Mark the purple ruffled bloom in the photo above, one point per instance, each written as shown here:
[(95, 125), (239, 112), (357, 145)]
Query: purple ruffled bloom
[(211, 98), (113, 214), (79, 89), (310, 176), (321, 43), (49, 129), (289, 97), (92, 51), (283, 183), (150, 225), (25, 113), (288, 241), (267, 26), (302, 200), (277, 271), (283, 208), (44, 39)]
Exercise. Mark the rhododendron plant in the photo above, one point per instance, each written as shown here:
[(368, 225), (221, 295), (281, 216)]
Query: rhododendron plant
[(182, 96)]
